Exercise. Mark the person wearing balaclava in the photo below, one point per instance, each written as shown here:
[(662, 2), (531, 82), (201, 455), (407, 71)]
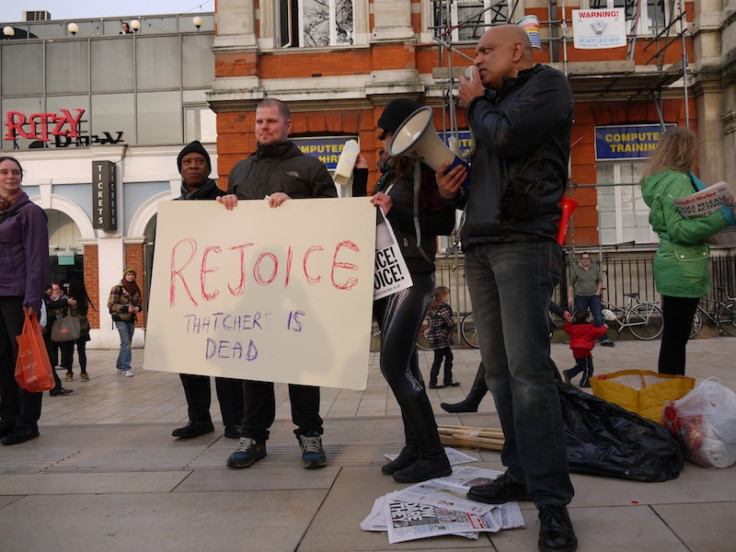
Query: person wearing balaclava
[(416, 225), (124, 303), (195, 167)]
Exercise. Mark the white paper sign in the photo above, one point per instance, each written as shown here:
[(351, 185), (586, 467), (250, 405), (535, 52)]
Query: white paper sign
[(391, 274), (594, 29), (271, 294)]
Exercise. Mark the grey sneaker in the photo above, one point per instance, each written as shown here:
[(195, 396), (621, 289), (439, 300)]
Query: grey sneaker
[(249, 451), (313, 455)]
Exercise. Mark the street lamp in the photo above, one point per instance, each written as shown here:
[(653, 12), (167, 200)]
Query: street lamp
[(73, 28), (9, 31), (135, 25), (197, 21)]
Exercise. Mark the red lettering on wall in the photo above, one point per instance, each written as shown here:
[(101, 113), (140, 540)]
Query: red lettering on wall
[(42, 126)]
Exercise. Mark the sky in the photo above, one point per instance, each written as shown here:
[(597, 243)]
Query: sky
[(11, 10)]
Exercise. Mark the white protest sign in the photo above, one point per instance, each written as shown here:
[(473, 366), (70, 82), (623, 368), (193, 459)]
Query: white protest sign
[(391, 274), (598, 29), (271, 294)]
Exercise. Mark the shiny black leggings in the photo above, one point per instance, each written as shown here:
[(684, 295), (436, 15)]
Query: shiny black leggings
[(400, 317)]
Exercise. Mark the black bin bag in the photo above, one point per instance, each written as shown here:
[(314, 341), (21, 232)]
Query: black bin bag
[(605, 439)]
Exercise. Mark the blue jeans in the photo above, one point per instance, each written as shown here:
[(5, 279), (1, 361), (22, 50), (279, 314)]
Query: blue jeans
[(510, 286), (125, 329), (592, 303)]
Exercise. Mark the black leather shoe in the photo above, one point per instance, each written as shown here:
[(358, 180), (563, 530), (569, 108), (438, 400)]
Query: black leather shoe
[(462, 406), (193, 429), (19, 435), (555, 530), (406, 458), (452, 383), (62, 391), (436, 386), (500, 491), (232, 432)]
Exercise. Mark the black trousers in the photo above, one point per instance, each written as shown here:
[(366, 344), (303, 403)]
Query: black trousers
[(260, 409), (677, 316), (199, 397), (18, 407)]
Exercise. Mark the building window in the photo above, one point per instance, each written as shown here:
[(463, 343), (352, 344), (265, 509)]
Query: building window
[(646, 17), (316, 23), (623, 216), (468, 19)]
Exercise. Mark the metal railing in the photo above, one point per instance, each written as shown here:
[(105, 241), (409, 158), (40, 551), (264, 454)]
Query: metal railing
[(622, 273)]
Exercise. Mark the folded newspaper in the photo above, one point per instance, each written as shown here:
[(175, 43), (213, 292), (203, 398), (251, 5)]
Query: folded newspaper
[(706, 201), (438, 507)]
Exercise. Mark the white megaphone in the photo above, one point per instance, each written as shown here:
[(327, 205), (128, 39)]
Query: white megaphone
[(416, 136)]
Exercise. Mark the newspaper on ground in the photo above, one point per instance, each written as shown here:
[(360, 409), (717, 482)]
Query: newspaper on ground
[(454, 456), (705, 201), (432, 493), (432, 509)]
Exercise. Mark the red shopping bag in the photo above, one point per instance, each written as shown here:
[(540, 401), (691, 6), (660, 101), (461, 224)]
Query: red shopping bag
[(33, 368)]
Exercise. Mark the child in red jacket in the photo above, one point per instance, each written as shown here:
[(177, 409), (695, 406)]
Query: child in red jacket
[(582, 340)]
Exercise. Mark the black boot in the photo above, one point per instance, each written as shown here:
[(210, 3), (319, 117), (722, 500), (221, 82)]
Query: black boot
[(432, 460), (408, 455), (477, 392)]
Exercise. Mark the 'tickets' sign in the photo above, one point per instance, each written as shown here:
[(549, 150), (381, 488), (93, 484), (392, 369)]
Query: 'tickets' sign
[(104, 199)]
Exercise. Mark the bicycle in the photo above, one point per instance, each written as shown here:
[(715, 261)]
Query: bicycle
[(642, 318), (722, 315), (468, 331)]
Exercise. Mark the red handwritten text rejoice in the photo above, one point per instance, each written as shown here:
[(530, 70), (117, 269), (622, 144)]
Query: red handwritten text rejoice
[(187, 265)]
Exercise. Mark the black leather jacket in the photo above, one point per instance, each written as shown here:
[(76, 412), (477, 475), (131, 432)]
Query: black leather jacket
[(519, 170)]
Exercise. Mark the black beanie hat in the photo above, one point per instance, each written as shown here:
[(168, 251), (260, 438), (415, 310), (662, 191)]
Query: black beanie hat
[(396, 113), (194, 147)]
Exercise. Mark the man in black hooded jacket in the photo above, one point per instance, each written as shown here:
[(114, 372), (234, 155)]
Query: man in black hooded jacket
[(195, 167)]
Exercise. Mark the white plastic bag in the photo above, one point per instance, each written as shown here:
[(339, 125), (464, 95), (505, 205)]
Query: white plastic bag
[(705, 422)]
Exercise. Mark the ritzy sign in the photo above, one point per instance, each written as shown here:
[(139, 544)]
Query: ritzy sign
[(62, 128)]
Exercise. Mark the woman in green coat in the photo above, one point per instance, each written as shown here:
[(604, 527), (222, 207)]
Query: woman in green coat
[(681, 263)]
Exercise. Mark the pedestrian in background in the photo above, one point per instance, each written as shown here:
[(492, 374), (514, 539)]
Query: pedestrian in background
[(80, 308), (124, 304), (24, 267), (681, 262), (582, 340), (587, 283), (441, 337)]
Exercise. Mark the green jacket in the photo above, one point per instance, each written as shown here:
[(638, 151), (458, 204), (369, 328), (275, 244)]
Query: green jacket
[(681, 262)]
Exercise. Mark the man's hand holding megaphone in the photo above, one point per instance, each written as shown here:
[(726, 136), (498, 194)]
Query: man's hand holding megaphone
[(450, 181)]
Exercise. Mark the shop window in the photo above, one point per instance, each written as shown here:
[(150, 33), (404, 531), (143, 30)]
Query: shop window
[(316, 23), (469, 19), (623, 216)]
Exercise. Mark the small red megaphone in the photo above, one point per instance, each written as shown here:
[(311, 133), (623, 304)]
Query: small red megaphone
[(568, 206)]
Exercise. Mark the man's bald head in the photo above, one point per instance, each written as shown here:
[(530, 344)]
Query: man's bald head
[(502, 51)]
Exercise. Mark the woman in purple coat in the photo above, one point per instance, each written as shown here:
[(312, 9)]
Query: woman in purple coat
[(24, 266)]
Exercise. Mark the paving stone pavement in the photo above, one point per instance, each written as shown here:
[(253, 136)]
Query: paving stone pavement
[(106, 475)]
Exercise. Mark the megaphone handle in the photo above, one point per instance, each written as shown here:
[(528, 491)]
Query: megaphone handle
[(457, 161)]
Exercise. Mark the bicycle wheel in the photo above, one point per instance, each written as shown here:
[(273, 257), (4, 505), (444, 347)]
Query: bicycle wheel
[(422, 341), (727, 317), (697, 325), (468, 331), (645, 321)]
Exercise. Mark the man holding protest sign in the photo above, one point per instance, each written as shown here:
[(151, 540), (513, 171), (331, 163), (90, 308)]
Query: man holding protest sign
[(277, 171), (195, 167)]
